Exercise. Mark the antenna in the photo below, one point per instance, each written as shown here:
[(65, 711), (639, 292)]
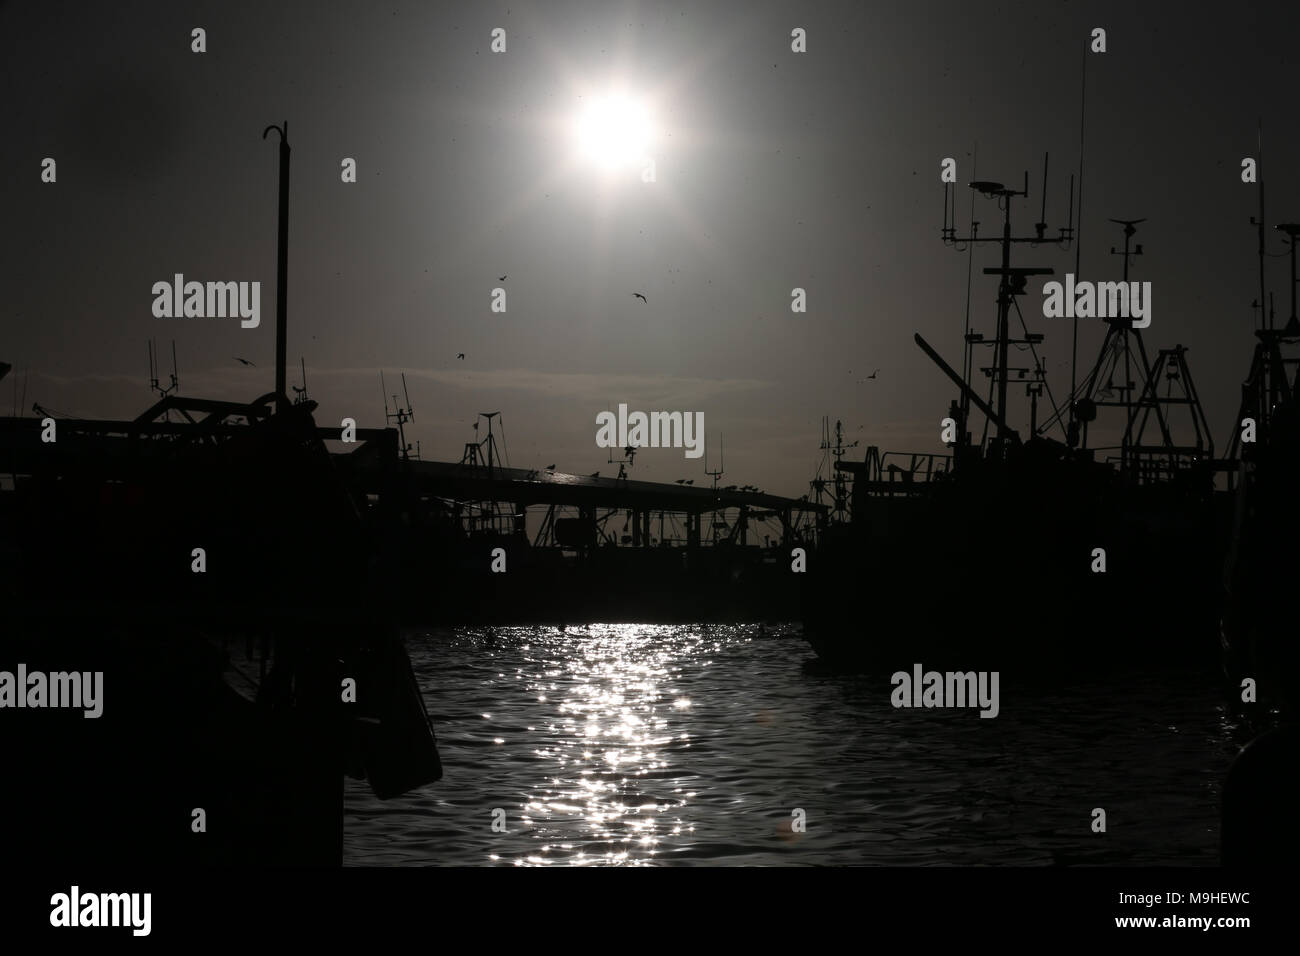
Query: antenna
[(964, 408), (1130, 227), (1069, 229), (841, 489), (1041, 226), (154, 384), (628, 459), (1072, 433), (399, 414), (715, 475), (1259, 173)]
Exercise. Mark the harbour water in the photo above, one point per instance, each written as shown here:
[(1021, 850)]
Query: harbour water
[(697, 745)]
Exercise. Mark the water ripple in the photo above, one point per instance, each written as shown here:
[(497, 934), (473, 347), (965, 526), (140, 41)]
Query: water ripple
[(692, 745)]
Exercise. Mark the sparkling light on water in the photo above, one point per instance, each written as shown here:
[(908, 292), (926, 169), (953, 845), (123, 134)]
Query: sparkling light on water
[(635, 744)]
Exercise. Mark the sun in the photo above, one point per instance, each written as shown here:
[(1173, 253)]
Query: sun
[(614, 131)]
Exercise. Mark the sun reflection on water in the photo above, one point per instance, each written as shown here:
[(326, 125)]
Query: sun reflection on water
[(614, 708), (636, 745)]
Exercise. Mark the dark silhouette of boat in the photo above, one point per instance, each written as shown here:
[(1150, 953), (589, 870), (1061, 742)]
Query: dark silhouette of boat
[(1031, 553), (1261, 661), (1261, 563), (151, 550), (102, 532)]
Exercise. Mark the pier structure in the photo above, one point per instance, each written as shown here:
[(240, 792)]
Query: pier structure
[(581, 512)]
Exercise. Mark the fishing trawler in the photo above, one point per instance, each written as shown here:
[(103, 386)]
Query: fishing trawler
[(1260, 658), (151, 551), (1028, 551)]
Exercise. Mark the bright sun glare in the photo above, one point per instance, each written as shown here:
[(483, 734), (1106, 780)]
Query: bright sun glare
[(614, 131)]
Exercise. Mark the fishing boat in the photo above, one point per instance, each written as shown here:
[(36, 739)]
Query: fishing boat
[(1260, 658), (1261, 664), (1028, 551), (151, 551)]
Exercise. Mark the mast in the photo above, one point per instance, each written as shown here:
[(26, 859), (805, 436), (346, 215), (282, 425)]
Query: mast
[(1072, 433), (1265, 322), (715, 475), (282, 265), (1011, 284)]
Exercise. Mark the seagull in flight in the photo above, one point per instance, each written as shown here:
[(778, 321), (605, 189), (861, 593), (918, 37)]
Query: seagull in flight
[(638, 295), (501, 278), (873, 374), (243, 361), (460, 355)]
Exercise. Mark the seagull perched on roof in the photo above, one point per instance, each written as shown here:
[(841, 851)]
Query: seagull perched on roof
[(638, 295), (550, 467)]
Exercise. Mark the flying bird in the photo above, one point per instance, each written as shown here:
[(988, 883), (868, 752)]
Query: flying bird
[(873, 374), (244, 361), (638, 295), (460, 355), (501, 278)]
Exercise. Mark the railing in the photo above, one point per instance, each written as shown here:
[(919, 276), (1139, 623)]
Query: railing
[(891, 473)]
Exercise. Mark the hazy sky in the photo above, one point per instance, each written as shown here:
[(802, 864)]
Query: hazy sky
[(774, 170)]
